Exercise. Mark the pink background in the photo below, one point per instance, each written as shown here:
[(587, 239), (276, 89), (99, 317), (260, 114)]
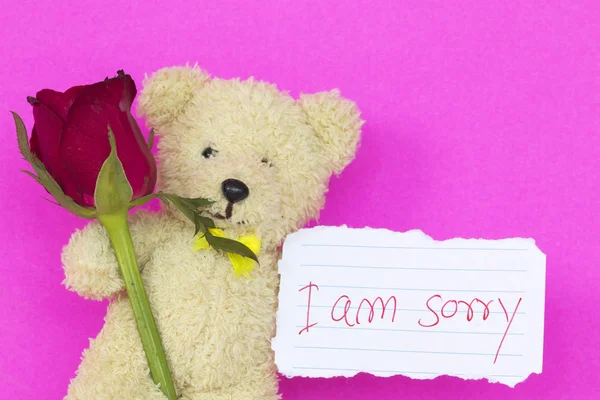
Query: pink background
[(483, 121)]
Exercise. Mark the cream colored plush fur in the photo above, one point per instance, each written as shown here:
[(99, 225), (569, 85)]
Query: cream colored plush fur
[(216, 327)]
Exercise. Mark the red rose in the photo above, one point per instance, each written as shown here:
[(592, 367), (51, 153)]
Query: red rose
[(70, 137)]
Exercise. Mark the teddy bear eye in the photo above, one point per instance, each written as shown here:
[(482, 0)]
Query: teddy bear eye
[(209, 152)]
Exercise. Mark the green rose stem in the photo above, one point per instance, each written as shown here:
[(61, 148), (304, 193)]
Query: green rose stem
[(120, 237), (112, 198)]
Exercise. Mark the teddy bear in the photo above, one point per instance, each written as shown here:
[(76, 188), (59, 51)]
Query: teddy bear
[(265, 160)]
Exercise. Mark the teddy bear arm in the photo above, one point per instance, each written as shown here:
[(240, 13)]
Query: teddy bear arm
[(90, 265)]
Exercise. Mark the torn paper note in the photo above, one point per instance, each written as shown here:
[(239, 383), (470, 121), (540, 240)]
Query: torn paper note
[(387, 303)]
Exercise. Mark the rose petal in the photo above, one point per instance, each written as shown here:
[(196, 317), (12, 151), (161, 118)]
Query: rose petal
[(139, 165), (34, 145), (57, 101), (44, 143), (120, 90), (84, 144), (123, 90), (46, 136)]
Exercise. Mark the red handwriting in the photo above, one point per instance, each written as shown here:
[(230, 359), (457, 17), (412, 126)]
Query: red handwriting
[(471, 313), (371, 308), (437, 318), (308, 324), (346, 309), (508, 325), (451, 307), (439, 309)]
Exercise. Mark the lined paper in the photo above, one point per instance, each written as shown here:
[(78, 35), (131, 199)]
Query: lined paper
[(389, 303)]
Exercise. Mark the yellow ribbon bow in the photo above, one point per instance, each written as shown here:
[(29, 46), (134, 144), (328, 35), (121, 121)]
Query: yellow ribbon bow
[(242, 266)]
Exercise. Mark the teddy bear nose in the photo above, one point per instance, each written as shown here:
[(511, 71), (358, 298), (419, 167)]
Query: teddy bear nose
[(235, 190)]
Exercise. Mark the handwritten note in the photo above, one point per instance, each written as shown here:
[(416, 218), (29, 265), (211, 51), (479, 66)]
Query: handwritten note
[(388, 303)]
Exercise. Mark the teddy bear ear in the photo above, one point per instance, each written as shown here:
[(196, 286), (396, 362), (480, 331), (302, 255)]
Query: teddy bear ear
[(337, 124), (167, 91)]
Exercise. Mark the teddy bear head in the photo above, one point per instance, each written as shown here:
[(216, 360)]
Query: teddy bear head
[(264, 158)]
